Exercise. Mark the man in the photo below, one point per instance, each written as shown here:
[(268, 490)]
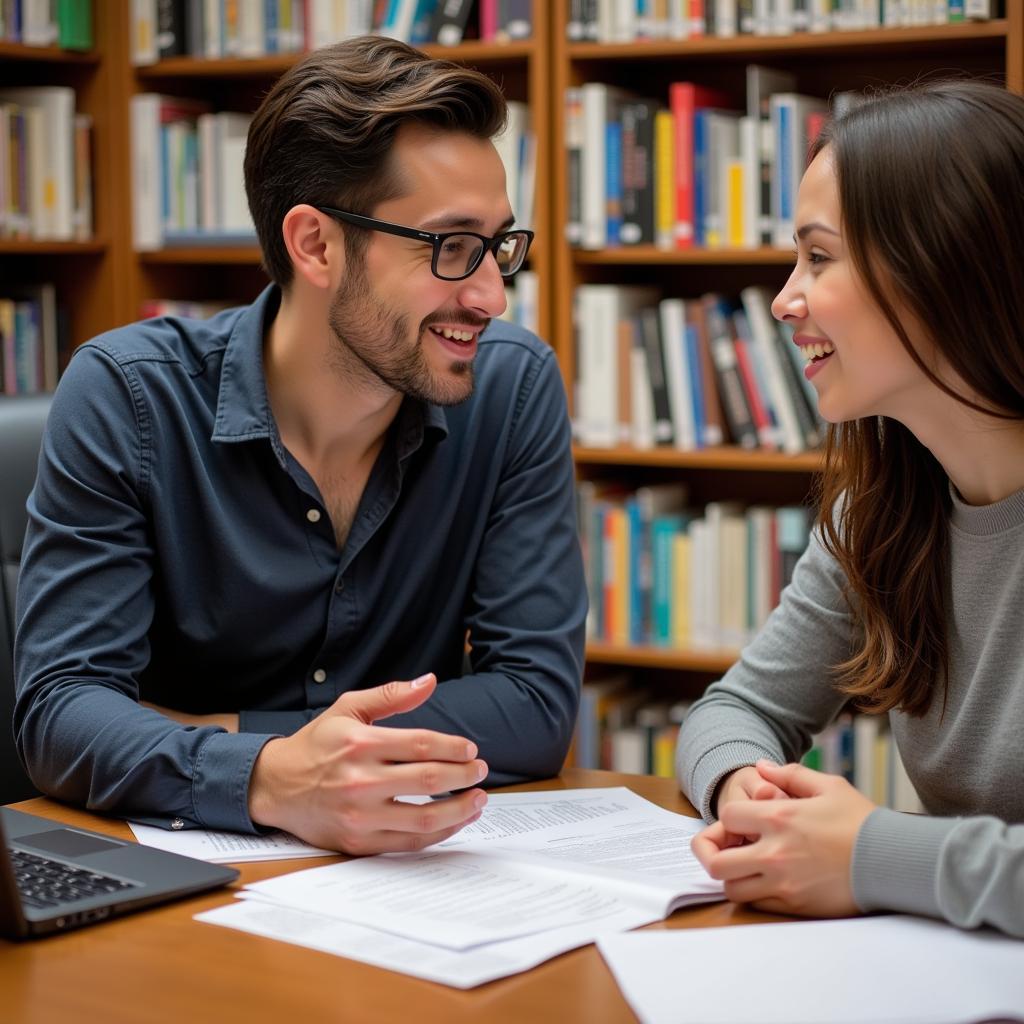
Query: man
[(241, 527)]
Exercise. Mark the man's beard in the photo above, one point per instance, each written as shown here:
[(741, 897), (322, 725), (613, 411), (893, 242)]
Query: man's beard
[(374, 342)]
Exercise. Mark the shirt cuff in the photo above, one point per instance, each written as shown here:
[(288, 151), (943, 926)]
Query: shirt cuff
[(896, 862), (220, 782), (714, 766)]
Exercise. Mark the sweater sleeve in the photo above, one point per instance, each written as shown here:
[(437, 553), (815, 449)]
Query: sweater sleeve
[(778, 695), (968, 871)]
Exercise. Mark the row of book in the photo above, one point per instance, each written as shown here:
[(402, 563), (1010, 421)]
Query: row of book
[(187, 173), (627, 21), (63, 23), (663, 574), (688, 373), (623, 727), (257, 28), (45, 165), (187, 165), (30, 332), (692, 171)]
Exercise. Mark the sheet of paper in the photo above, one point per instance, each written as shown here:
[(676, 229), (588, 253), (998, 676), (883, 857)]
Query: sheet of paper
[(227, 847), (392, 952), (612, 833), (900, 970), (539, 861), (453, 898)]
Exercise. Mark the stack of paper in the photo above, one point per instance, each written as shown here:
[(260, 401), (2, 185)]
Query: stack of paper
[(538, 874), (900, 970)]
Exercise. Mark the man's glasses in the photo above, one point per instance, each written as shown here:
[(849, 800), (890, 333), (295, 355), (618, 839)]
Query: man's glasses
[(457, 254)]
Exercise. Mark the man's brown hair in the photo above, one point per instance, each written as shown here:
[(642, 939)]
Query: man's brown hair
[(324, 133)]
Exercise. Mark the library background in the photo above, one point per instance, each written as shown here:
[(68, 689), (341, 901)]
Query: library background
[(654, 146)]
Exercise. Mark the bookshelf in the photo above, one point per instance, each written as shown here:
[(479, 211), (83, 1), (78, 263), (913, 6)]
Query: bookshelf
[(86, 274), (232, 272), (822, 63)]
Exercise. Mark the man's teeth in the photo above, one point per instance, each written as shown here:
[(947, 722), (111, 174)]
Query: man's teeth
[(447, 332), (816, 351)]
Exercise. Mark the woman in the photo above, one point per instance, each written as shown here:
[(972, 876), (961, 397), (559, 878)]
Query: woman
[(908, 300)]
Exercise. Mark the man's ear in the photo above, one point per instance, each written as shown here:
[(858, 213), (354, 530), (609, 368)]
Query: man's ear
[(315, 245)]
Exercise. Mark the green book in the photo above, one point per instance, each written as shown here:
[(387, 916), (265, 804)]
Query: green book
[(74, 24)]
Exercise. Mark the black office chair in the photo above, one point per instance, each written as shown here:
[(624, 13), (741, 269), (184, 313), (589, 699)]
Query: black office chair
[(21, 430)]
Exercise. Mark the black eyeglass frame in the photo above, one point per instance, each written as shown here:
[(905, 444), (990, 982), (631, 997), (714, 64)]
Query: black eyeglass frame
[(490, 245)]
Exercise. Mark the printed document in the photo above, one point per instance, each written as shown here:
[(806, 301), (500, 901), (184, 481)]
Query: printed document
[(549, 872), (227, 847), (901, 970), (533, 862)]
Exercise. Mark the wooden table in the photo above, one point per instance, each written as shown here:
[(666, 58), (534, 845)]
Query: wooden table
[(160, 965)]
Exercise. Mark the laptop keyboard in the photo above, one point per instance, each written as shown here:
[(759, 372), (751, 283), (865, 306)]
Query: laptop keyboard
[(48, 883)]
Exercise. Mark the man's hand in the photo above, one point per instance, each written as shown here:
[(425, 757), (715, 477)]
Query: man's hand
[(333, 782), (797, 852)]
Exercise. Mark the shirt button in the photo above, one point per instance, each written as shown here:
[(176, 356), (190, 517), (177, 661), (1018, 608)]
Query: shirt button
[(177, 823), (339, 586), (313, 515), (319, 675)]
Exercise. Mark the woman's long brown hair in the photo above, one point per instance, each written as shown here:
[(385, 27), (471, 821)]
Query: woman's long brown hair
[(931, 188)]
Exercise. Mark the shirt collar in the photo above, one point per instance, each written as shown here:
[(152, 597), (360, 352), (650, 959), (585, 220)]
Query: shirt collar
[(243, 407)]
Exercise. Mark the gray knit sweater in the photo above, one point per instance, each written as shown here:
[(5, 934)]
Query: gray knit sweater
[(965, 861)]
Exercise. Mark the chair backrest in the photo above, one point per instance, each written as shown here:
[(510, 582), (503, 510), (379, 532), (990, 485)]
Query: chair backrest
[(22, 420)]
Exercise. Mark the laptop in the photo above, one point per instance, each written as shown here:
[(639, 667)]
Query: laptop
[(54, 877)]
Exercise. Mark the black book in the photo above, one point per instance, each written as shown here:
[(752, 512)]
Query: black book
[(171, 29), (448, 24), (637, 172)]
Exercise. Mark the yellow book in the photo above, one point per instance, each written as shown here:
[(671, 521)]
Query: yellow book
[(664, 761), (681, 632), (734, 225), (664, 180), (620, 593)]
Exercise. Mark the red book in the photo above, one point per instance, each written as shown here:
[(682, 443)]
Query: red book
[(683, 99), (758, 412)]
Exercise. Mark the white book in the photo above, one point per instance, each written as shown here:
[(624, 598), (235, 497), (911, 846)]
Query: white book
[(144, 49), (641, 406), (726, 18), (672, 323), (723, 146), (762, 330), (509, 146), (789, 112), (732, 569), (866, 731), (703, 587), (147, 230), (762, 555), (598, 101), (231, 133), (323, 24), (54, 161), (750, 161), (213, 28), (600, 308)]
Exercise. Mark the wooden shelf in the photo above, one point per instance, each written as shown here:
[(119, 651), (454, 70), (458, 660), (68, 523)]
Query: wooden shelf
[(43, 247), (46, 54), (265, 67), (649, 254), (685, 659), (964, 35), (725, 457), (244, 255)]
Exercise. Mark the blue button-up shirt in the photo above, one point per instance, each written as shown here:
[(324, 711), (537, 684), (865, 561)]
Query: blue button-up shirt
[(178, 553)]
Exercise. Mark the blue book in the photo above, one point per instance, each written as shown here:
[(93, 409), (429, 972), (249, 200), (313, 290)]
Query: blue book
[(663, 530), (613, 181), (700, 173), (691, 339), (638, 560)]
